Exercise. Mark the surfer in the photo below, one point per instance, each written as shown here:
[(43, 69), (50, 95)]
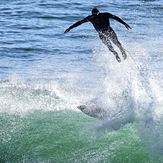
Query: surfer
[(101, 24)]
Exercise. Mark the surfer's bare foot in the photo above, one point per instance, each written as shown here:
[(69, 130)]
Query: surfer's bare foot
[(116, 56), (118, 59), (124, 55)]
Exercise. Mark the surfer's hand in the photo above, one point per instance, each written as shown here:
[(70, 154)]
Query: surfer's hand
[(127, 26), (67, 30)]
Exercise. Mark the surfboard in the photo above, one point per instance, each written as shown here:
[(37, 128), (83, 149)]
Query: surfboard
[(112, 115), (94, 111), (96, 108), (112, 120)]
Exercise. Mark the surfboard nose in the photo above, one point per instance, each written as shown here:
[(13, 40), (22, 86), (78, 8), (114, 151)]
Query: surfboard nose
[(81, 107)]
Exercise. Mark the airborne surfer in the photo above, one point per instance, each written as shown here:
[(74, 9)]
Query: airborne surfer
[(101, 24)]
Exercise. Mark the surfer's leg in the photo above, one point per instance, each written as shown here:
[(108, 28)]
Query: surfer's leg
[(114, 39), (106, 41)]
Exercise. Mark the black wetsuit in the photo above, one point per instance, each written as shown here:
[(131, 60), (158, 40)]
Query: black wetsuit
[(106, 33)]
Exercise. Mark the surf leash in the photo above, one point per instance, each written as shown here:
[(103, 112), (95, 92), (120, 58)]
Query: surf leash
[(138, 67)]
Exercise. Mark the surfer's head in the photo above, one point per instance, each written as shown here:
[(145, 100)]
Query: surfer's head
[(95, 11)]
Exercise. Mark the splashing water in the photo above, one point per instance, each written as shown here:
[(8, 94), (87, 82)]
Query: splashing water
[(132, 95)]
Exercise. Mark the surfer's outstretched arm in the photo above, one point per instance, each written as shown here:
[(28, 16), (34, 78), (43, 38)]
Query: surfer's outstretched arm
[(77, 24), (119, 20)]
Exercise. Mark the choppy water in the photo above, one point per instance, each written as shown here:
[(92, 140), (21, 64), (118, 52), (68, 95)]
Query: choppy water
[(45, 75)]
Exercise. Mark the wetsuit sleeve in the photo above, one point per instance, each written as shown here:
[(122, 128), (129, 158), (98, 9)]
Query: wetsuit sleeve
[(80, 22), (116, 18)]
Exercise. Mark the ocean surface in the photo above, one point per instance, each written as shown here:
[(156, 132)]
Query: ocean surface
[(46, 74)]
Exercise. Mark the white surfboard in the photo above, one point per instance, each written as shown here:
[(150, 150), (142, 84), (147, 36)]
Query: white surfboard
[(113, 116), (96, 108), (94, 111)]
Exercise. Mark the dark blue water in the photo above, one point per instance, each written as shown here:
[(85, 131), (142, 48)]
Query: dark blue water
[(45, 75)]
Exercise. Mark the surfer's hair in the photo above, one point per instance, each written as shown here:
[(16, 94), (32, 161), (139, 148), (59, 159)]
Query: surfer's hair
[(95, 11)]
